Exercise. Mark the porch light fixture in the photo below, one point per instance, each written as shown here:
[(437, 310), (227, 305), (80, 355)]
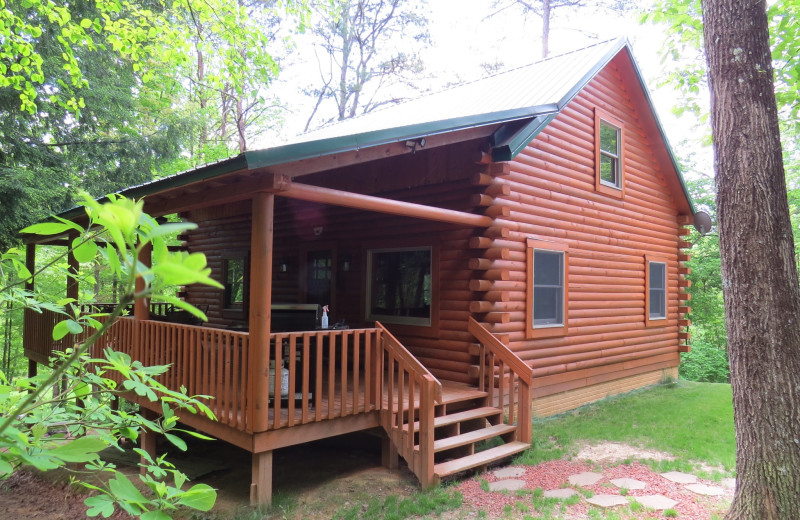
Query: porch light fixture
[(415, 144), (346, 263)]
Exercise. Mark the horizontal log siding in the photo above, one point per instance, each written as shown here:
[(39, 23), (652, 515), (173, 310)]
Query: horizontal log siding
[(552, 196)]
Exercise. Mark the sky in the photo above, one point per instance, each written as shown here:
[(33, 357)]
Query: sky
[(464, 36)]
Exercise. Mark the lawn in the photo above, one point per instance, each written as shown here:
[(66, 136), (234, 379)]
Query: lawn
[(692, 421)]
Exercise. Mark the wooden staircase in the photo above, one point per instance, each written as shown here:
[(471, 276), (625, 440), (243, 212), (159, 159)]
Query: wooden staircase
[(439, 428), (462, 421)]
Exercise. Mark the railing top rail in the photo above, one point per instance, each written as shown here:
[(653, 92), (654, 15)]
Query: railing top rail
[(412, 363), (509, 358)]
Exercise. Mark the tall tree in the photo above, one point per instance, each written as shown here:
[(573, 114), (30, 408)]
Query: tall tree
[(545, 10), (236, 51), (761, 289), (366, 48)]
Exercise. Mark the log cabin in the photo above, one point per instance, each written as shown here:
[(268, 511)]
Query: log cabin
[(438, 271)]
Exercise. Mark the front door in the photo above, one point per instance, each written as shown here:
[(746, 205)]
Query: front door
[(319, 277)]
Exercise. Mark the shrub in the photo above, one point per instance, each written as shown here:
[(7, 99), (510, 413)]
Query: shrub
[(705, 364)]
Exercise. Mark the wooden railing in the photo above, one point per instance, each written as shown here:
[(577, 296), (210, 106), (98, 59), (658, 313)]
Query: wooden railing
[(506, 378), (407, 410), (330, 374), (204, 360)]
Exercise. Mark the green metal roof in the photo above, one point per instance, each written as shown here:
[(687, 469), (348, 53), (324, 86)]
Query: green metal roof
[(528, 97)]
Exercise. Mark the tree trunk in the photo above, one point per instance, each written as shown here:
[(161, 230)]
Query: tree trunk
[(762, 296), (546, 13)]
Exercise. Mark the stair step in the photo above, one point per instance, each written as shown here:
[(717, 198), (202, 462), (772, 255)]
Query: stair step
[(454, 466), (466, 415), (456, 393), (472, 437)]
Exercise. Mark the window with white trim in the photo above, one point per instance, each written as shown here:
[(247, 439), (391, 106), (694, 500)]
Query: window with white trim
[(609, 142), (547, 288)]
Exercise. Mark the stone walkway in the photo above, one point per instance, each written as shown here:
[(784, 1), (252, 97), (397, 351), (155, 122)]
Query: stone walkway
[(507, 480)]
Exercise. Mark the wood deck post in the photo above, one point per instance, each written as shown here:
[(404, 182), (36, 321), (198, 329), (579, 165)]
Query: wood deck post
[(260, 301), (390, 458), (30, 264), (147, 438), (426, 413), (261, 486), (141, 309)]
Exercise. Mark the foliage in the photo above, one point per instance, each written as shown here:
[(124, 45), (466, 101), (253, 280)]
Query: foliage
[(693, 421), (706, 363), (361, 65), (48, 431)]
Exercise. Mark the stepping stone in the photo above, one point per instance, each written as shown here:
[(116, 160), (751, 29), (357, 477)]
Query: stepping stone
[(629, 483), (728, 483), (680, 478), (509, 472), (511, 484), (562, 493), (607, 500), (703, 489), (587, 478), (657, 502)]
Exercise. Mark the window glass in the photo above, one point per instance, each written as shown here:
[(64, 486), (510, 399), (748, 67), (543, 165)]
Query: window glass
[(609, 155), (658, 290), (234, 282), (548, 288), (400, 285)]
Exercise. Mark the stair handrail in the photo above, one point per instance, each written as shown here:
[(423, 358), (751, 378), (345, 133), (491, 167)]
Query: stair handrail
[(518, 368), (408, 359), (398, 418)]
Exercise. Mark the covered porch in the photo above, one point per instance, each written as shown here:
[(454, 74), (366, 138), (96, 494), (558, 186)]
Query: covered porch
[(435, 382)]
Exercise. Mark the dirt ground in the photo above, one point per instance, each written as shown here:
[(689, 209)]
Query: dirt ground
[(315, 479), (311, 481)]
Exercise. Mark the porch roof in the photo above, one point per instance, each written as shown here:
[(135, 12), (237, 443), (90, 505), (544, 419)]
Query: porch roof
[(510, 108)]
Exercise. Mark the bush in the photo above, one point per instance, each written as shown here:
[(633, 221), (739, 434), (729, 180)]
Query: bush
[(705, 363)]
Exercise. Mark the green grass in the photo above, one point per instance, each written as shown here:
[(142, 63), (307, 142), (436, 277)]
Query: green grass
[(433, 502), (692, 421)]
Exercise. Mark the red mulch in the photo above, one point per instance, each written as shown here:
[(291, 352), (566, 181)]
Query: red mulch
[(554, 474)]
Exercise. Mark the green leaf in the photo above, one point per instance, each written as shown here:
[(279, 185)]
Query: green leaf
[(155, 515), (100, 505), (124, 490), (86, 23), (176, 441), (60, 330), (83, 449), (46, 228), (200, 497), (84, 251)]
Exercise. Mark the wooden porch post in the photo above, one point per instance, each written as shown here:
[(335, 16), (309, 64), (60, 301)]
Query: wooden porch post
[(74, 268), (141, 312), (259, 326), (261, 486), (30, 263)]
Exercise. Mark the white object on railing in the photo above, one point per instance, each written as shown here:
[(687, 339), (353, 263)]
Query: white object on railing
[(284, 380)]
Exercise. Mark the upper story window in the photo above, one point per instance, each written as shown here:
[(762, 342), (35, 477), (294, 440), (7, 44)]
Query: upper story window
[(399, 287), (547, 289), (609, 167), (656, 290)]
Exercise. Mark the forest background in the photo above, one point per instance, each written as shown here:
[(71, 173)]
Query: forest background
[(98, 95)]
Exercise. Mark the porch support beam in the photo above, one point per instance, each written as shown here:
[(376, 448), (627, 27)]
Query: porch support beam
[(212, 193), (260, 312), (382, 205)]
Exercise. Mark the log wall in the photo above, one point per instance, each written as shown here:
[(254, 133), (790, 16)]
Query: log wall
[(548, 192)]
